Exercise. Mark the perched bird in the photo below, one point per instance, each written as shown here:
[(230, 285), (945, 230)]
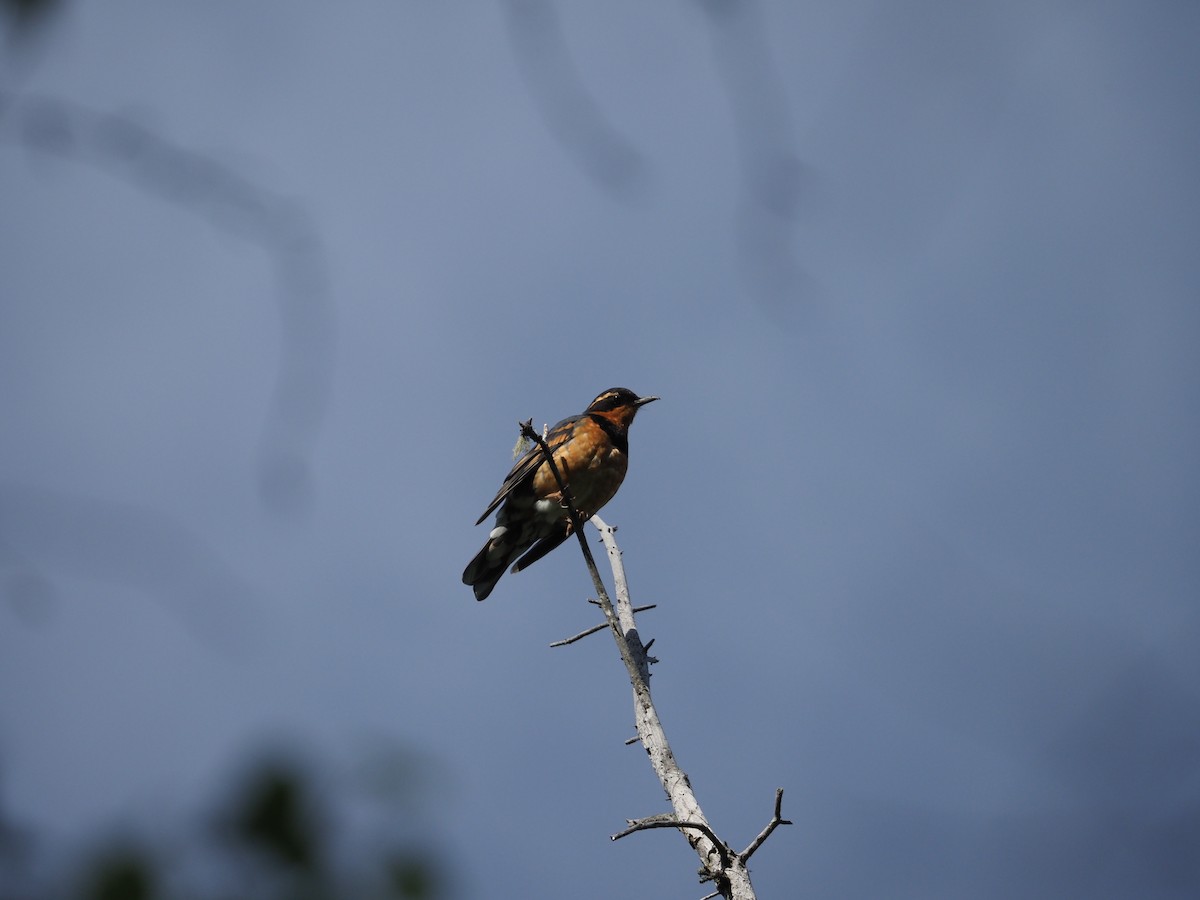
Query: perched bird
[(591, 451)]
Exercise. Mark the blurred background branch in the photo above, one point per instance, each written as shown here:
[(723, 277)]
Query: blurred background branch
[(275, 223)]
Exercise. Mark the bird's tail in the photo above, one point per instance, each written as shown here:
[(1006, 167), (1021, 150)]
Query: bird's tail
[(489, 564), (505, 547)]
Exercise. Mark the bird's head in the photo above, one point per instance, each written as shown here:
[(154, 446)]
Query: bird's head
[(618, 405)]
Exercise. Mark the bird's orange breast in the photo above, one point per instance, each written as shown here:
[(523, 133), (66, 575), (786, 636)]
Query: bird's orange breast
[(592, 466)]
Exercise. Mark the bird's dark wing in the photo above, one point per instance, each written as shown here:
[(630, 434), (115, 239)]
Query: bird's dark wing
[(540, 548), (533, 459)]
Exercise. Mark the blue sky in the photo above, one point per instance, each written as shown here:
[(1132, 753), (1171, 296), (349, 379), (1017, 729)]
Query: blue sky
[(918, 288)]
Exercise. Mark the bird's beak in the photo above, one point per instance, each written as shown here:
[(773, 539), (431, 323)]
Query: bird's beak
[(642, 401)]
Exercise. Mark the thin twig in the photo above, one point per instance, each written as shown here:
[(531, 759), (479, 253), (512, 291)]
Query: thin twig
[(589, 631), (576, 520), (668, 820), (776, 821), (578, 637)]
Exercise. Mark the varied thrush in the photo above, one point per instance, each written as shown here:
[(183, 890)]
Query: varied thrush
[(591, 451)]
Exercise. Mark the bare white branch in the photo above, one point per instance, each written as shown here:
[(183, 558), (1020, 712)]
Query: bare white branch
[(727, 870)]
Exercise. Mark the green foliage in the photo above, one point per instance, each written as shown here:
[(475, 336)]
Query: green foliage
[(25, 13), (272, 837), (275, 817), (124, 874)]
